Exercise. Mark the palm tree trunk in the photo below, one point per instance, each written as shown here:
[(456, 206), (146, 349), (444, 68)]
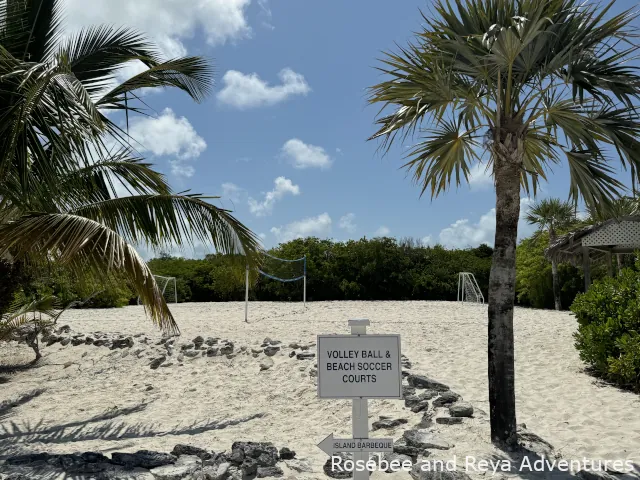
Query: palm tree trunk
[(502, 280), (556, 286)]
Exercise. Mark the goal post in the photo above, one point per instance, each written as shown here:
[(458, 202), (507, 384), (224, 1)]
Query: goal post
[(163, 283), (468, 288), (287, 275)]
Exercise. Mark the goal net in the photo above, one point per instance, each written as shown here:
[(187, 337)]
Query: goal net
[(280, 270), (468, 289), (168, 287)]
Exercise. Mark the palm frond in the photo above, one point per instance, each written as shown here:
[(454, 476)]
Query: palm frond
[(166, 220), (193, 75), (82, 245)]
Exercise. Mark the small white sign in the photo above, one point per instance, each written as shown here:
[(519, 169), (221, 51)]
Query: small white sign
[(331, 445), (359, 366)]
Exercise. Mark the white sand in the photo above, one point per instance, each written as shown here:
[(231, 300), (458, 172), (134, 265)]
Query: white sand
[(558, 402)]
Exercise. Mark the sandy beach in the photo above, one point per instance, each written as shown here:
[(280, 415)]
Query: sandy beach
[(102, 400)]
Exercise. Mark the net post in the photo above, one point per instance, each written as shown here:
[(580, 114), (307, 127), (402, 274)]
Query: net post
[(304, 287), (175, 291), (246, 295)]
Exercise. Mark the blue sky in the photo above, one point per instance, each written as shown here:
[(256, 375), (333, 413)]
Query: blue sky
[(283, 137)]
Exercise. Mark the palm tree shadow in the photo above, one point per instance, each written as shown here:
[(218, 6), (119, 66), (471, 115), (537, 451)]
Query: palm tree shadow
[(7, 406), (15, 437), (535, 451)]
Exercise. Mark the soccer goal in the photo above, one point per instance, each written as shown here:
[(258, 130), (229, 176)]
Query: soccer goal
[(170, 295), (280, 270), (468, 289)]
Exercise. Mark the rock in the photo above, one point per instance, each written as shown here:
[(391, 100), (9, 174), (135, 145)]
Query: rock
[(123, 343), (266, 341), (226, 349), (292, 353), (445, 399), (63, 329), (299, 465), (237, 456), (271, 351), (77, 341), (173, 472), (218, 472), (143, 458), (198, 341), (30, 459), (249, 466), (408, 390), (191, 353), (306, 356), (420, 406), (399, 458), (336, 471), (400, 446), (417, 473), (100, 342), (269, 472), (266, 363), (187, 346), (462, 409), (421, 381), (157, 362), (51, 339), (182, 449), (64, 341), (210, 341), (94, 457), (287, 454), (427, 420), (263, 453), (266, 460), (425, 439), (294, 345), (449, 420), (388, 423), (89, 340), (313, 372), (234, 473), (212, 351), (405, 362)]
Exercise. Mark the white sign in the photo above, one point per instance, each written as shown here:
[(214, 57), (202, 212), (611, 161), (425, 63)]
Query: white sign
[(359, 366), (331, 445)]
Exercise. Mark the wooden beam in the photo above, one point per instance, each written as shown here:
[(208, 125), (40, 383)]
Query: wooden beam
[(586, 266)]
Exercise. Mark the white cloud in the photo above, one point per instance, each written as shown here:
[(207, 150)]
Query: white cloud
[(262, 235), (346, 222), (428, 240), (249, 90), (382, 231), (167, 22), (303, 155), (319, 226), (282, 186), (480, 178), (232, 192), (462, 233), (168, 135)]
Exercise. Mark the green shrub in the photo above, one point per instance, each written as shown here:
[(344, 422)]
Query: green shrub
[(609, 322)]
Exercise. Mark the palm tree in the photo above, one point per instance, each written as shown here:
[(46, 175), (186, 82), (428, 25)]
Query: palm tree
[(534, 81), (551, 215), (58, 163)]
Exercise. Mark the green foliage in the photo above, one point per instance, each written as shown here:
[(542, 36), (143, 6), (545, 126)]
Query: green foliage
[(376, 269), (534, 282), (608, 336)]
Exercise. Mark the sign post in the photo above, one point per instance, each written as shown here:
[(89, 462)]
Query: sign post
[(359, 366)]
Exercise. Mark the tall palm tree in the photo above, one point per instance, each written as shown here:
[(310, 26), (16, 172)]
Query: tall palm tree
[(59, 168), (534, 81), (551, 215)]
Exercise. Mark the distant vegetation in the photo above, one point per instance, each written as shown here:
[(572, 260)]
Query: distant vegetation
[(366, 269)]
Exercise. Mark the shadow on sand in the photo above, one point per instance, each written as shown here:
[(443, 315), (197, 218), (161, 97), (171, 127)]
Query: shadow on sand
[(535, 461)]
